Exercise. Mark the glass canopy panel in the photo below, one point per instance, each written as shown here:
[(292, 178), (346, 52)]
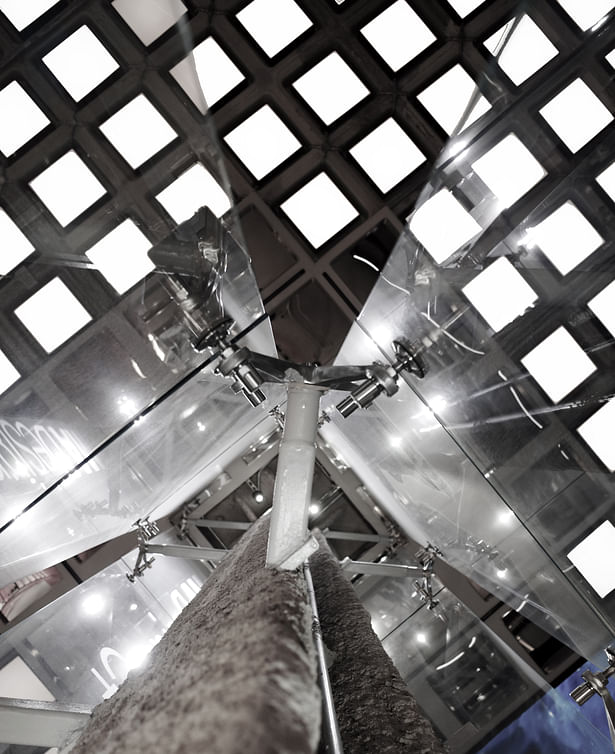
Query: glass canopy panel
[(501, 452), (121, 249)]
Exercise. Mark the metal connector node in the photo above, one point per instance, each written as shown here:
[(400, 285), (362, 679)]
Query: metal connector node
[(596, 683)]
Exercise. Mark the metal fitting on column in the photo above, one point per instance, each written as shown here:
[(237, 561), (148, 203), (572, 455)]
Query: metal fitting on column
[(596, 683), (382, 379)]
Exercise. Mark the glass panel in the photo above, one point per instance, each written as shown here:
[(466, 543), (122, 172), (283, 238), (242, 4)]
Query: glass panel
[(501, 455)]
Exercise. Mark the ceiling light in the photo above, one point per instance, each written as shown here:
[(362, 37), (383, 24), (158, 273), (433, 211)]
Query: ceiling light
[(387, 154), (500, 294), (67, 187), (594, 558), (15, 246), (262, 142), (576, 115), (121, 256), (586, 14), (526, 50), (440, 238), (207, 74), (509, 170), (566, 237), (21, 118), (273, 24), (138, 131), (597, 432), (448, 97), (80, 63), (603, 306), (398, 34), (149, 18), (258, 496), (314, 509), (8, 373), (22, 14), (52, 314), (331, 88), (464, 7), (558, 364), (319, 209), (193, 189)]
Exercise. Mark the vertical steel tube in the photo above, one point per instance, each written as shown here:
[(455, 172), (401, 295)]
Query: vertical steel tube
[(330, 727), (289, 541)]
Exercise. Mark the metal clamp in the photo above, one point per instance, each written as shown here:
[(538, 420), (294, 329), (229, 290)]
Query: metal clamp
[(596, 683), (146, 530)]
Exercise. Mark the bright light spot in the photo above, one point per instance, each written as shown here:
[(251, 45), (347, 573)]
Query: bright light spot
[(201, 427), (558, 364), (440, 238), (126, 406), (594, 558), (576, 114), (67, 187), (314, 509), (258, 496), (566, 237), (319, 209), (273, 24), (437, 404), (500, 294), (506, 517), (509, 170), (525, 52), (448, 97), (501, 572), (186, 413), (398, 34), (80, 62), (421, 638), (597, 432), (387, 155), (216, 74), (331, 88), (395, 442), (69, 315), (135, 657), (262, 142), (93, 604)]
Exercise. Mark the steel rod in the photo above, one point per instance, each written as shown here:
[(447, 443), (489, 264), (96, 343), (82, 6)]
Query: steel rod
[(331, 728)]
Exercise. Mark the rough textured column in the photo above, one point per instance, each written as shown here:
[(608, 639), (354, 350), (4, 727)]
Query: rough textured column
[(234, 674), (375, 710)]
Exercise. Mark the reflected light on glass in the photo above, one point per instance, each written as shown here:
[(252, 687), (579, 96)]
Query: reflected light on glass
[(201, 427), (505, 517), (500, 294), (509, 170), (126, 406), (501, 572), (450, 662), (442, 225), (135, 657), (93, 604), (421, 638), (395, 442), (314, 509), (594, 558)]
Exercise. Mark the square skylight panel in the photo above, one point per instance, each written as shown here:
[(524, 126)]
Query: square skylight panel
[(21, 118), (319, 209), (603, 306), (22, 13), (138, 131), (273, 24), (68, 187), (262, 142), (398, 34), (448, 97), (597, 432), (80, 63), (149, 18), (606, 179), (387, 155), (15, 246), (500, 294), (465, 7), (8, 373), (121, 256), (610, 58), (191, 190), (509, 170), (527, 49), (558, 364), (331, 88), (594, 558), (208, 73), (52, 314), (586, 14), (576, 115), (442, 237), (566, 237)]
